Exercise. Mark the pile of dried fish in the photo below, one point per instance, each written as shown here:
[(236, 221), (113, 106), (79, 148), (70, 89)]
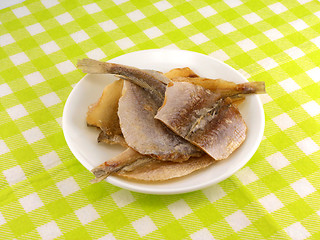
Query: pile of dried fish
[(172, 124)]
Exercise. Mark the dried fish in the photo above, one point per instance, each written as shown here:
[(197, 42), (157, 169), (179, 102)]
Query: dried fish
[(203, 118)]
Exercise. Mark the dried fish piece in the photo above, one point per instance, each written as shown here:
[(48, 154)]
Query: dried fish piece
[(114, 164), (154, 170), (225, 88), (180, 72), (145, 134), (112, 139), (203, 118), (104, 113)]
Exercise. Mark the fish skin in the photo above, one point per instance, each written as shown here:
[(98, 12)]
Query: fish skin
[(112, 139), (144, 133), (203, 118)]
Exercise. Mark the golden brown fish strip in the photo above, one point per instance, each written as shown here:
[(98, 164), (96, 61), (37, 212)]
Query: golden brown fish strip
[(103, 114), (225, 88), (180, 72), (154, 170), (112, 139)]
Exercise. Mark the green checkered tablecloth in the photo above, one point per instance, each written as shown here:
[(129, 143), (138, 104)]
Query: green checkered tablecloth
[(45, 192)]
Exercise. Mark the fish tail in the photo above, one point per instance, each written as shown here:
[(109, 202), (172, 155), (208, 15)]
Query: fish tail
[(251, 87), (88, 65)]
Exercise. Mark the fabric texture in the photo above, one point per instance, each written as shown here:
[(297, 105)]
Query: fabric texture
[(45, 192)]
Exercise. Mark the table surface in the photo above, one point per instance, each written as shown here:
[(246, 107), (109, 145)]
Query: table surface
[(45, 192)]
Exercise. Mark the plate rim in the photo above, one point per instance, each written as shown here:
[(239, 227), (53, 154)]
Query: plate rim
[(116, 180)]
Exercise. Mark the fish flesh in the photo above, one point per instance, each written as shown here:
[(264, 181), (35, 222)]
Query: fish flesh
[(204, 118), (104, 114), (155, 170), (145, 134), (180, 72)]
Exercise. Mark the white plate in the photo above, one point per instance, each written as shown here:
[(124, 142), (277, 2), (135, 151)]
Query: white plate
[(82, 140)]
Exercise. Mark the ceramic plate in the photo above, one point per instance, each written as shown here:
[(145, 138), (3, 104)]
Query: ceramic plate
[(82, 140)]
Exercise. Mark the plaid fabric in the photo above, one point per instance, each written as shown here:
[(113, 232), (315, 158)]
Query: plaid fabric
[(45, 192)]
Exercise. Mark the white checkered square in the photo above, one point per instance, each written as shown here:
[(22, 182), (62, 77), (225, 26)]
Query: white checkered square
[(50, 160), (153, 32), (214, 193), (136, 15), (66, 67), (31, 202), (308, 146), (33, 135), (252, 18), (271, 203), (19, 58), (64, 18), (49, 3), (97, 54), (50, 99), (122, 197), (108, 25), (238, 221), (220, 54), (125, 43), (3, 147), (17, 111), (144, 226), (226, 28), (265, 98), (303, 187), (277, 161), (202, 234), (87, 214), (283, 121), (2, 219), (312, 108), (299, 24), (35, 29), (92, 8), (289, 85), (233, 3), (68, 186), (6, 39), (108, 237), (295, 52), (268, 63), (278, 8), (50, 47), (273, 34), (162, 5), (246, 176), (246, 45), (297, 232), (179, 209), (49, 231), (79, 36), (316, 40), (199, 38), (5, 90), (14, 175), (314, 74), (34, 78), (207, 11), (21, 12), (180, 22)]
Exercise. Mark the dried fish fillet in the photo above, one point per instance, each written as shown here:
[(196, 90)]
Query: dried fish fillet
[(225, 88), (104, 113), (180, 72), (112, 139), (114, 164), (203, 118), (145, 134), (154, 170)]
